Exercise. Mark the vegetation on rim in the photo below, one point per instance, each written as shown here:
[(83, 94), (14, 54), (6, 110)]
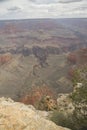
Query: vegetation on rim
[(78, 119)]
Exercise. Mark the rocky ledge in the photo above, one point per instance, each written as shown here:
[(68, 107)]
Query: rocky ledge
[(17, 116)]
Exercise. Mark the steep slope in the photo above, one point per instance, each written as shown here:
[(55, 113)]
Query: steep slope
[(22, 73), (38, 50)]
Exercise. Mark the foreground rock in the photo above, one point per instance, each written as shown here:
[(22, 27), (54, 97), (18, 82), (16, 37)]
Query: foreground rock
[(17, 116)]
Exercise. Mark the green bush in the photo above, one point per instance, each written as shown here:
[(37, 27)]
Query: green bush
[(63, 120), (69, 121)]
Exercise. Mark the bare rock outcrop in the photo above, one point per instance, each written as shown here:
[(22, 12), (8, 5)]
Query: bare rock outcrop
[(17, 116)]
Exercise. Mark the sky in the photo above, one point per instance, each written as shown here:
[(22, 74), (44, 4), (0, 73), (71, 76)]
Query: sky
[(24, 9)]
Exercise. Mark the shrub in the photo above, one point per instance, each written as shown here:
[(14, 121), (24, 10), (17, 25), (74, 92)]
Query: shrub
[(63, 120)]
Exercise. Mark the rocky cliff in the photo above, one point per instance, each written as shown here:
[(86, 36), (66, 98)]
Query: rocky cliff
[(17, 116)]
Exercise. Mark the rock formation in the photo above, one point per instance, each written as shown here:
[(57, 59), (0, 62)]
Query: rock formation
[(17, 116)]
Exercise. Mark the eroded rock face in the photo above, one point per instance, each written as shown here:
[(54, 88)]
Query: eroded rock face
[(17, 116)]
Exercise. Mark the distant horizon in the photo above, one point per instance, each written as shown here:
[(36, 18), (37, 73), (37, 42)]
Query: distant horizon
[(41, 19)]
